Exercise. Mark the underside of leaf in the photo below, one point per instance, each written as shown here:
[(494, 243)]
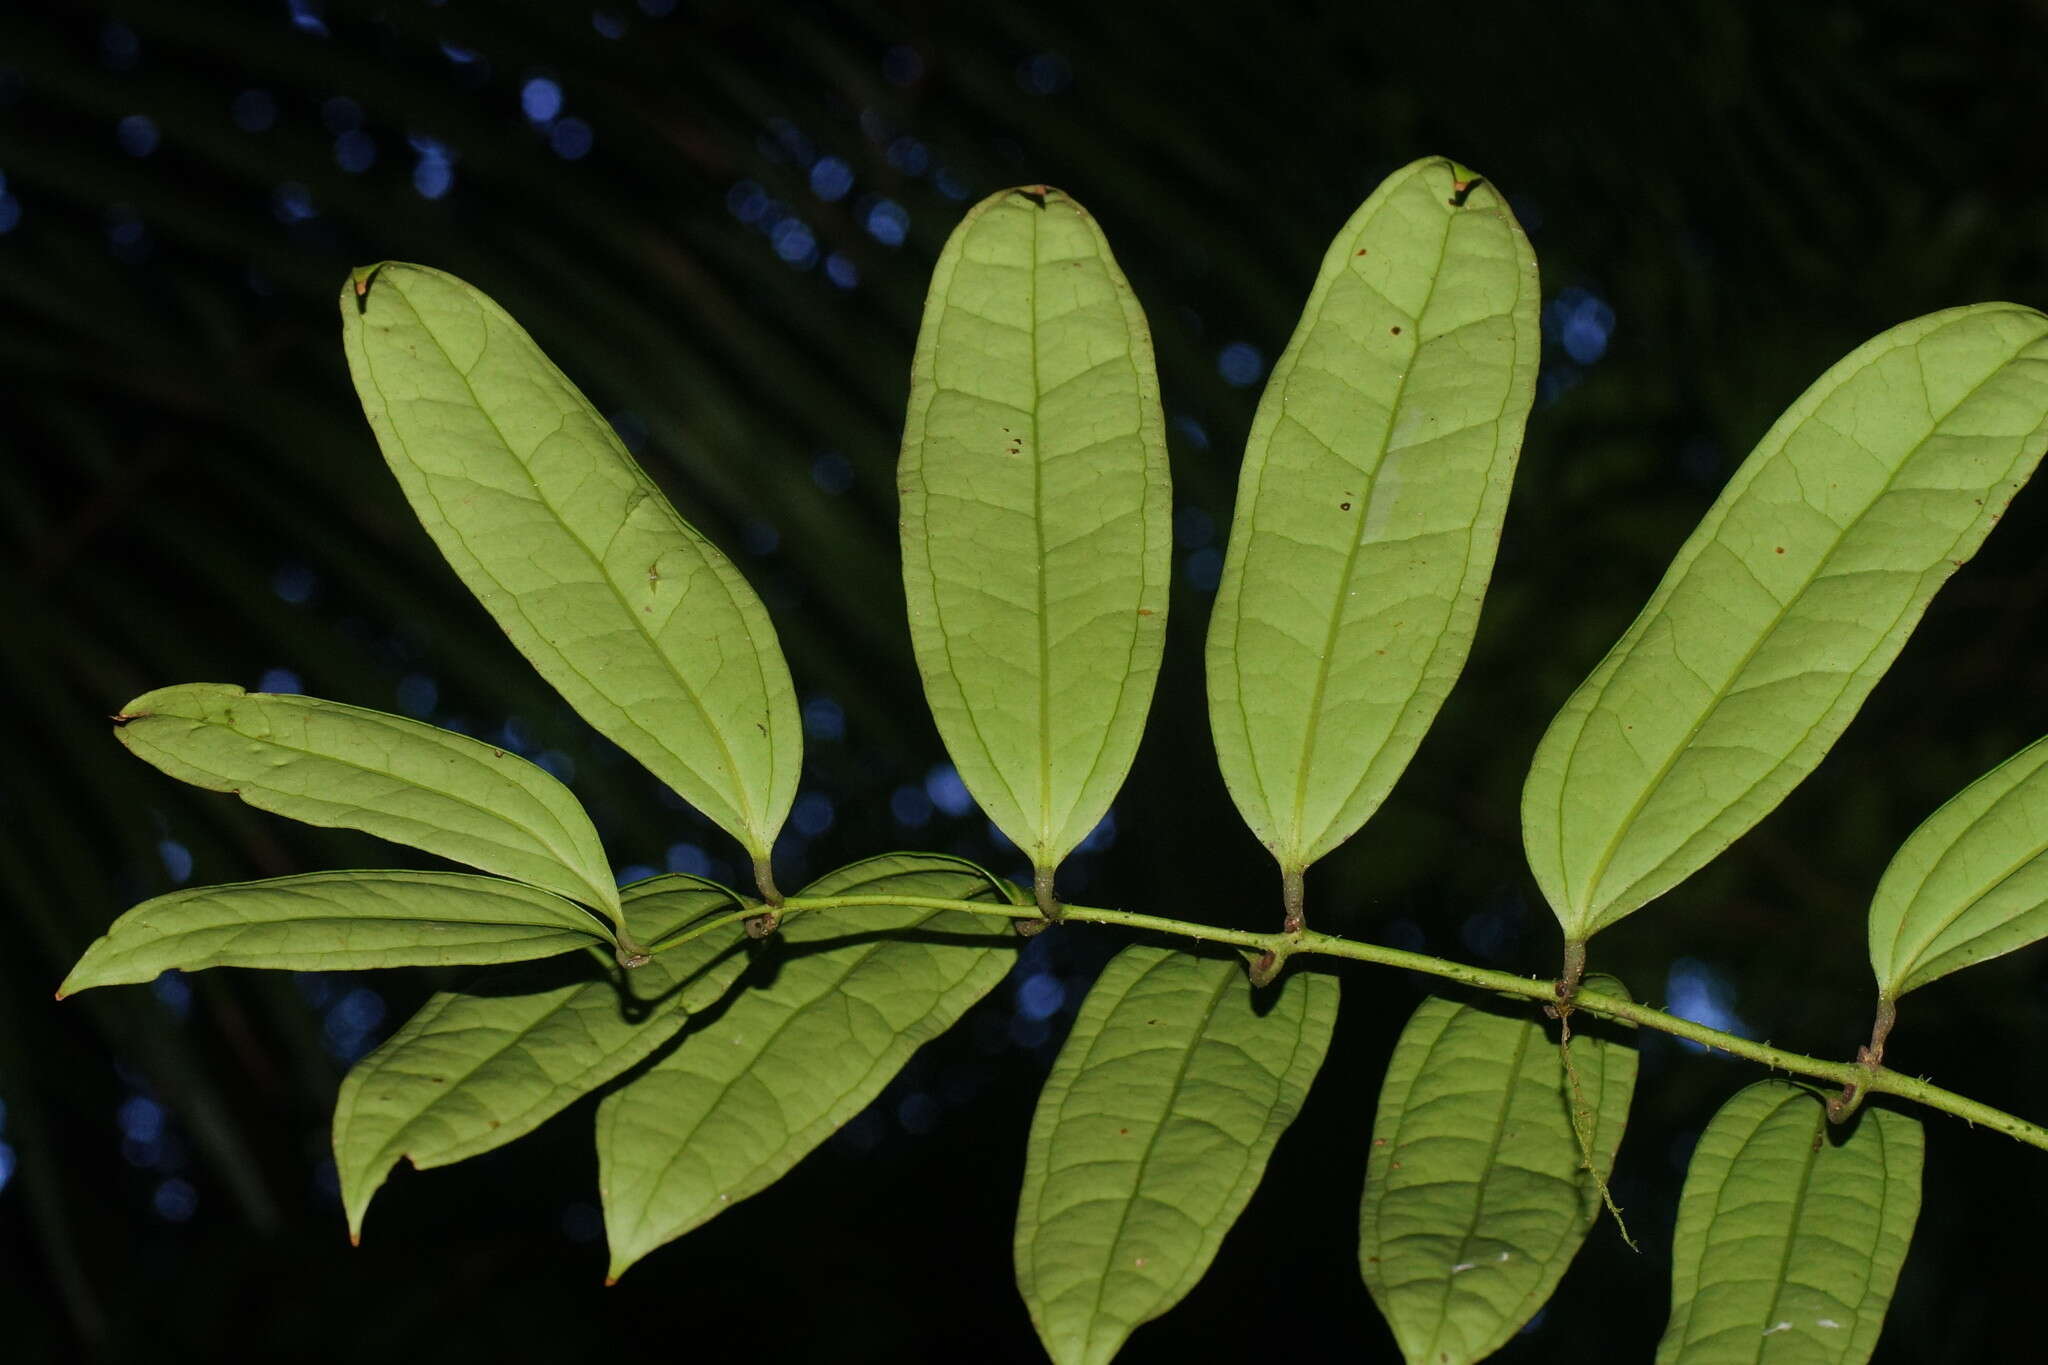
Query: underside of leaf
[(1370, 504), (1037, 513)]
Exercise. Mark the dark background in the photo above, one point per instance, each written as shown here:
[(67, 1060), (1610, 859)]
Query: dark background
[(719, 218)]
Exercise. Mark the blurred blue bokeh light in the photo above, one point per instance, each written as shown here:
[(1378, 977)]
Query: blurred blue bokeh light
[(1240, 363), (831, 179), (137, 134)]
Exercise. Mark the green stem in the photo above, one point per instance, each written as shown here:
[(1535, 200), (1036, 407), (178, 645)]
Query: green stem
[(1872, 1078)]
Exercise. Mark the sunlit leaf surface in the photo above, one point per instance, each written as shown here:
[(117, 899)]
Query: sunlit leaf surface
[(1036, 516), (852, 994), (1370, 505), (478, 1067), (1151, 1134), (1785, 606), (635, 618), (1789, 1239), (336, 921), (1476, 1196)]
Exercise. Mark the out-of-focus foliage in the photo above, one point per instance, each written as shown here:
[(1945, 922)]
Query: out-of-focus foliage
[(730, 212)]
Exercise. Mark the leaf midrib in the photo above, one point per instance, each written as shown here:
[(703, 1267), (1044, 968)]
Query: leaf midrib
[(1040, 854)]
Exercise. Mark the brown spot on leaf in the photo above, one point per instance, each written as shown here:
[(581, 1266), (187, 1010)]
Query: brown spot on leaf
[(1394, 330), (1359, 252)]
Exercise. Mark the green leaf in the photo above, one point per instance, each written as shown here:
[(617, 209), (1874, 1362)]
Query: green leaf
[(336, 922), (329, 764), (1784, 608), (1370, 505), (1789, 1241), (1971, 883), (627, 611), (1476, 1196), (1037, 516), (853, 994), (476, 1068), (1151, 1134)]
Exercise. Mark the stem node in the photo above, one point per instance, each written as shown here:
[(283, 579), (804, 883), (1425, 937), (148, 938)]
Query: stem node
[(1567, 988), (1869, 1057)]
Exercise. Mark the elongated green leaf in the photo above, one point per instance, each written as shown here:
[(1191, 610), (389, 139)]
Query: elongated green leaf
[(1972, 881), (476, 1068), (1036, 516), (1151, 1134), (1788, 1242), (1476, 1196), (329, 764), (855, 993), (1370, 505), (1784, 608), (635, 618), (336, 921)]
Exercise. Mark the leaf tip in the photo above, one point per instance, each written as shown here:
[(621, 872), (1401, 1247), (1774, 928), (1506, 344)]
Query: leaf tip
[(360, 280), (1464, 180)]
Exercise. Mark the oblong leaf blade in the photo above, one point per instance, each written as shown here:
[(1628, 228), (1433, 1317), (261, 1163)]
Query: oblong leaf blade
[(1369, 506), (336, 921), (1784, 607), (1476, 1198), (1788, 1243), (1150, 1136), (1037, 516), (627, 611), (1971, 883), (342, 766), (476, 1068), (728, 1112)]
